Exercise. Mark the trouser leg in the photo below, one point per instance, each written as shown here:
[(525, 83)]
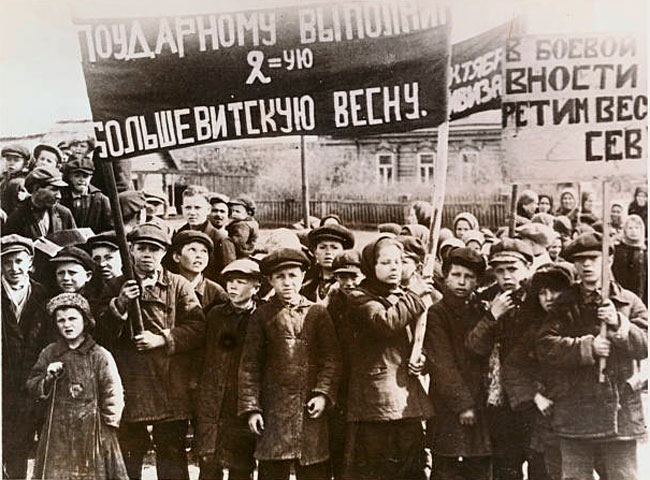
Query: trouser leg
[(453, 468), (134, 442), (620, 459), (317, 471), (171, 458), (274, 470), (577, 459)]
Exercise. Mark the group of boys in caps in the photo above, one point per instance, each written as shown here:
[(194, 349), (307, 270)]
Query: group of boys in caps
[(291, 354)]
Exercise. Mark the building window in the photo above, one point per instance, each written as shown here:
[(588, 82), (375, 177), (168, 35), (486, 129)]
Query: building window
[(386, 165), (425, 167), (468, 166)]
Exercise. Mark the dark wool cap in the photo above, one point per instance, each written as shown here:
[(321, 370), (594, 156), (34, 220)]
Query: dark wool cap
[(219, 198), (16, 243), (76, 255), (150, 233), (131, 202), (510, 250), (413, 247), (79, 165), (188, 236), (348, 261), (41, 176), (104, 239), (335, 232), (585, 245), (466, 257), (557, 276), (15, 149), (283, 258)]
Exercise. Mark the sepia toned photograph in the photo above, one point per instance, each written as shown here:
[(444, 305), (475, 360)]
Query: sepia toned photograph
[(307, 240)]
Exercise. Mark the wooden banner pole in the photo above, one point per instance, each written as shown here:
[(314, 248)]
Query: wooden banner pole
[(305, 182), (135, 314)]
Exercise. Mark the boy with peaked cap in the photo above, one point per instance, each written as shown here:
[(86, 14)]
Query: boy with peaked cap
[(15, 158), (154, 205), (42, 214), (89, 206), (325, 243), (105, 252), (44, 155), (24, 335), (289, 374), (595, 421), (191, 251), (155, 365), (196, 208), (133, 205), (493, 338), (412, 265), (347, 271), (223, 439), (459, 436), (220, 212)]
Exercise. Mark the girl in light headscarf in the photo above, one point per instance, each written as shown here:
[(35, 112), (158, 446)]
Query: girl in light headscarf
[(567, 202), (630, 266)]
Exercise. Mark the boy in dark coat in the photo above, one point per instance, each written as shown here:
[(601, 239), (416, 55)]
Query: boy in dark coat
[(289, 374), (223, 440), (24, 335), (459, 432), (493, 338), (595, 421), (155, 365), (15, 157), (41, 215), (89, 206)]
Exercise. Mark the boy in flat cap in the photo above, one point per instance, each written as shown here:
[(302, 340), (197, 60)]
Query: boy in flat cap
[(243, 229), (289, 374), (44, 155), (347, 271), (155, 365), (223, 439), (595, 421), (15, 158), (493, 338), (196, 208), (105, 252), (133, 205), (191, 251), (460, 438), (89, 206), (325, 243), (42, 214), (24, 335)]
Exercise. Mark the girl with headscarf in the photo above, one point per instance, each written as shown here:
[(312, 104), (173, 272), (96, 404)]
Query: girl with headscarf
[(463, 223), (386, 402), (630, 266), (639, 205), (81, 383), (567, 202)]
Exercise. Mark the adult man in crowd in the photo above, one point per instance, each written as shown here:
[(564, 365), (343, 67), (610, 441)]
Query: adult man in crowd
[(596, 421), (42, 214), (219, 216)]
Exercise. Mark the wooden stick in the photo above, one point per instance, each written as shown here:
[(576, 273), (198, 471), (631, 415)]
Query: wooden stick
[(605, 278), (305, 182), (512, 225), (135, 314)]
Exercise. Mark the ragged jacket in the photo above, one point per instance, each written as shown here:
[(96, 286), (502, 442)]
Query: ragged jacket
[(290, 355), (88, 401), (93, 210), (380, 387), (23, 221), (585, 408), (457, 380), (157, 382)]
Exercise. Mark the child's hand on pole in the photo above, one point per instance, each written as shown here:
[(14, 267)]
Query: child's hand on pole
[(256, 423), (316, 406)]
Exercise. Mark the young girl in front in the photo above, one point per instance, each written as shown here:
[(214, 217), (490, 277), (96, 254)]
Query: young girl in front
[(386, 402), (86, 399)]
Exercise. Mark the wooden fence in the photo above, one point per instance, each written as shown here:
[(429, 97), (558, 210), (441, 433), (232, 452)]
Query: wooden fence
[(490, 211)]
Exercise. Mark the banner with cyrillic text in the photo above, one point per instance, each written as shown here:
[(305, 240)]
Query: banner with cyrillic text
[(575, 105), (346, 69), (476, 73)]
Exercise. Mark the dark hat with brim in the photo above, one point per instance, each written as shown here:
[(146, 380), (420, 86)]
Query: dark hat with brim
[(74, 255), (468, 258), (332, 232), (284, 258), (15, 150), (511, 250), (589, 244), (348, 261), (44, 176), (219, 198), (85, 165), (104, 239), (16, 243), (131, 202), (189, 236), (150, 233)]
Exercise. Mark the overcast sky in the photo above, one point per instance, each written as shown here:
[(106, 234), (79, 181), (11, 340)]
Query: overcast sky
[(41, 81)]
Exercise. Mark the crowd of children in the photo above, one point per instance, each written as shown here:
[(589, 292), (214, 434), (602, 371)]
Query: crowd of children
[(292, 352)]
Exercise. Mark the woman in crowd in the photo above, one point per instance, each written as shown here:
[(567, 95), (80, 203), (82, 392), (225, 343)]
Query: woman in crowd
[(630, 266), (567, 202), (526, 206), (463, 223), (545, 203), (639, 205)]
